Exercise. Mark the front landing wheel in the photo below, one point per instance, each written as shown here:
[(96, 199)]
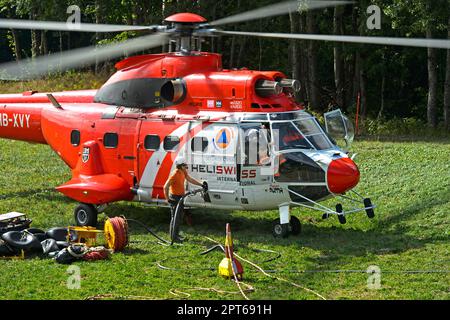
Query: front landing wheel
[(86, 215), (370, 212)]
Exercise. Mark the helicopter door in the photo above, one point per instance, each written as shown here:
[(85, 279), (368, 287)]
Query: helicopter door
[(254, 161), (212, 157), (254, 153), (340, 128)]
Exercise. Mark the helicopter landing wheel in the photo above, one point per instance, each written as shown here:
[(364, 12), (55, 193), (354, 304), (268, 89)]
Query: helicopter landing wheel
[(341, 216), (280, 230), (295, 226), (370, 212), (86, 215)]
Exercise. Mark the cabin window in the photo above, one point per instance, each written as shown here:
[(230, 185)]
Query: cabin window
[(199, 144), (75, 137), (111, 140), (152, 142), (171, 143), (256, 138)]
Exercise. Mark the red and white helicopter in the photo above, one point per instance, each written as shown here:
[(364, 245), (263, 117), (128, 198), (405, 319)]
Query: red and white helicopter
[(240, 130)]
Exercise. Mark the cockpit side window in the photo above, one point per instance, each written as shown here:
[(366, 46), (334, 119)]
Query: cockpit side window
[(288, 137), (311, 129)]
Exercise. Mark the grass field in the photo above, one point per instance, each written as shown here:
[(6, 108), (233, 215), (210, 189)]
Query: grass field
[(409, 181)]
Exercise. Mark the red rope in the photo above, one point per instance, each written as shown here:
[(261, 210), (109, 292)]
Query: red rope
[(96, 255)]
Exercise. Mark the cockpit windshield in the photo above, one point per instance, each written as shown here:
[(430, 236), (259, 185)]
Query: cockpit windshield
[(301, 131), (289, 137)]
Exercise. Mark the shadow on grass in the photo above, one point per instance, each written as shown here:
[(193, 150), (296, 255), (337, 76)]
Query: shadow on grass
[(49, 194), (135, 251), (388, 235)]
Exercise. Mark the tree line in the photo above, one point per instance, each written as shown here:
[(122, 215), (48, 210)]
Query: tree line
[(383, 82)]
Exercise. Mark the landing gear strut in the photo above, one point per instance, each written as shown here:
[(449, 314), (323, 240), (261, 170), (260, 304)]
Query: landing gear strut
[(86, 215)]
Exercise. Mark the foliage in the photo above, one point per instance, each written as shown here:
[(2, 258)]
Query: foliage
[(68, 81), (405, 69), (402, 127)]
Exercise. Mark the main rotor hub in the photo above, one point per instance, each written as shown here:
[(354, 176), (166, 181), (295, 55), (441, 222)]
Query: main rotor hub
[(184, 27), (186, 17)]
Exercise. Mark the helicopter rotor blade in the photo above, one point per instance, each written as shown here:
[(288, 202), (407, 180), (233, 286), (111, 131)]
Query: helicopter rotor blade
[(67, 26), (408, 42), (32, 68), (278, 9)]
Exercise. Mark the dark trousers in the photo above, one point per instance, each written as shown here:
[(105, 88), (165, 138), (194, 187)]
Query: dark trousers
[(175, 224)]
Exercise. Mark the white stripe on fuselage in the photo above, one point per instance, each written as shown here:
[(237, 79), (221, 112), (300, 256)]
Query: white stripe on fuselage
[(152, 167)]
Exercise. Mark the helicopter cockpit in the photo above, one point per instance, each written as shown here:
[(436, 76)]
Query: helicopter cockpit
[(301, 130), (295, 147)]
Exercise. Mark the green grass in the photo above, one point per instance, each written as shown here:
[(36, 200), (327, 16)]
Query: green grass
[(410, 183), (66, 81)]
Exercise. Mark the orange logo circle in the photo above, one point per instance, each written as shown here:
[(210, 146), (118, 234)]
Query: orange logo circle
[(223, 138)]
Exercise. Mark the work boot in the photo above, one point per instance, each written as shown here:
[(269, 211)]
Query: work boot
[(178, 239)]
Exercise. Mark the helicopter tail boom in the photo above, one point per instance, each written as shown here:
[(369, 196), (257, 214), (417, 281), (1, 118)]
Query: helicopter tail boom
[(21, 122), (21, 115)]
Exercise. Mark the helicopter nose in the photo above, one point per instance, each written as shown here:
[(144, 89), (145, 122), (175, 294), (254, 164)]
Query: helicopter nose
[(342, 175)]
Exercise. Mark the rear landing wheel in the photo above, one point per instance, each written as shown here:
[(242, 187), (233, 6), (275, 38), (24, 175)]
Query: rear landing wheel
[(296, 226), (280, 230), (283, 230), (86, 215)]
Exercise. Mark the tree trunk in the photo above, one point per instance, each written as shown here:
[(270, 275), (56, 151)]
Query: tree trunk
[(293, 52), (447, 87), (214, 15), (362, 84), (35, 43), (303, 73), (353, 67), (432, 84), (383, 89), (261, 47), (98, 36), (295, 56), (241, 52), (314, 99), (339, 57), (233, 41), (35, 37), (17, 46), (357, 76), (44, 45)]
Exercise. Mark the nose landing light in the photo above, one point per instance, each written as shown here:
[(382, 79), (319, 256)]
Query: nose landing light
[(342, 175)]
